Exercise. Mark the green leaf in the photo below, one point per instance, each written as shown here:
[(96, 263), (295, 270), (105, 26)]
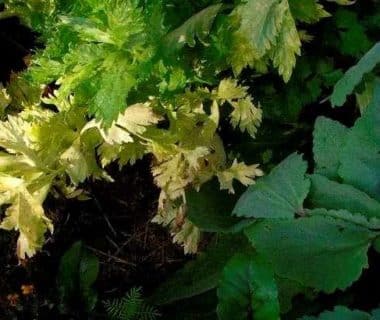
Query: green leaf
[(353, 40), (307, 10), (329, 138), (78, 270), (344, 215), (360, 157), (288, 46), (318, 252), (202, 274), (279, 195), (248, 284), (354, 75), (261, 22), (270, 29), (210, 209), (341, 313), (111, 97), (198, 26), (328, 194), (88, 273)]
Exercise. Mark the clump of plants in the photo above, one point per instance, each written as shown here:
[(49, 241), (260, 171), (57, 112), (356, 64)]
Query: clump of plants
[(116, 80)]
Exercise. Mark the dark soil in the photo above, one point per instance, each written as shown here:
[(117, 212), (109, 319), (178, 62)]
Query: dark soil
[(115, 225)]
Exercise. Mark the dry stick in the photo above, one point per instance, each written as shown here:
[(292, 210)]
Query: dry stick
[(112, 242), (96, 251), (146, 234), (133, 236), (100, 209)]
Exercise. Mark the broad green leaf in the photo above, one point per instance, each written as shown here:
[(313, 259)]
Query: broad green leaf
[(360, 157), (318, 252), (328, 139), (202, 274), (210, 209), (279, 195), (341, 313), (248, 284), (78, 270), (354, 75), (198, 26), (325, 193)]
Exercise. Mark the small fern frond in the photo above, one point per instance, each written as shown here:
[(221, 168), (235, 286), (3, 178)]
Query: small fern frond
[(130, 307), (148, 312)]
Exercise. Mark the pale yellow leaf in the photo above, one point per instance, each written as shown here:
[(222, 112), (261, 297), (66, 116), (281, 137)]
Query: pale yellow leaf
[(26, 216), (246, 116), (137, 117), (238, 171)]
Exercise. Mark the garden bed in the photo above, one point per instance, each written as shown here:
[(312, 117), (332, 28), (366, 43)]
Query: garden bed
[(257, 168)]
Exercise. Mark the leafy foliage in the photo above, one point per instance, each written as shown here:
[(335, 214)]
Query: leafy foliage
[(113, 81), (150, 77)]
